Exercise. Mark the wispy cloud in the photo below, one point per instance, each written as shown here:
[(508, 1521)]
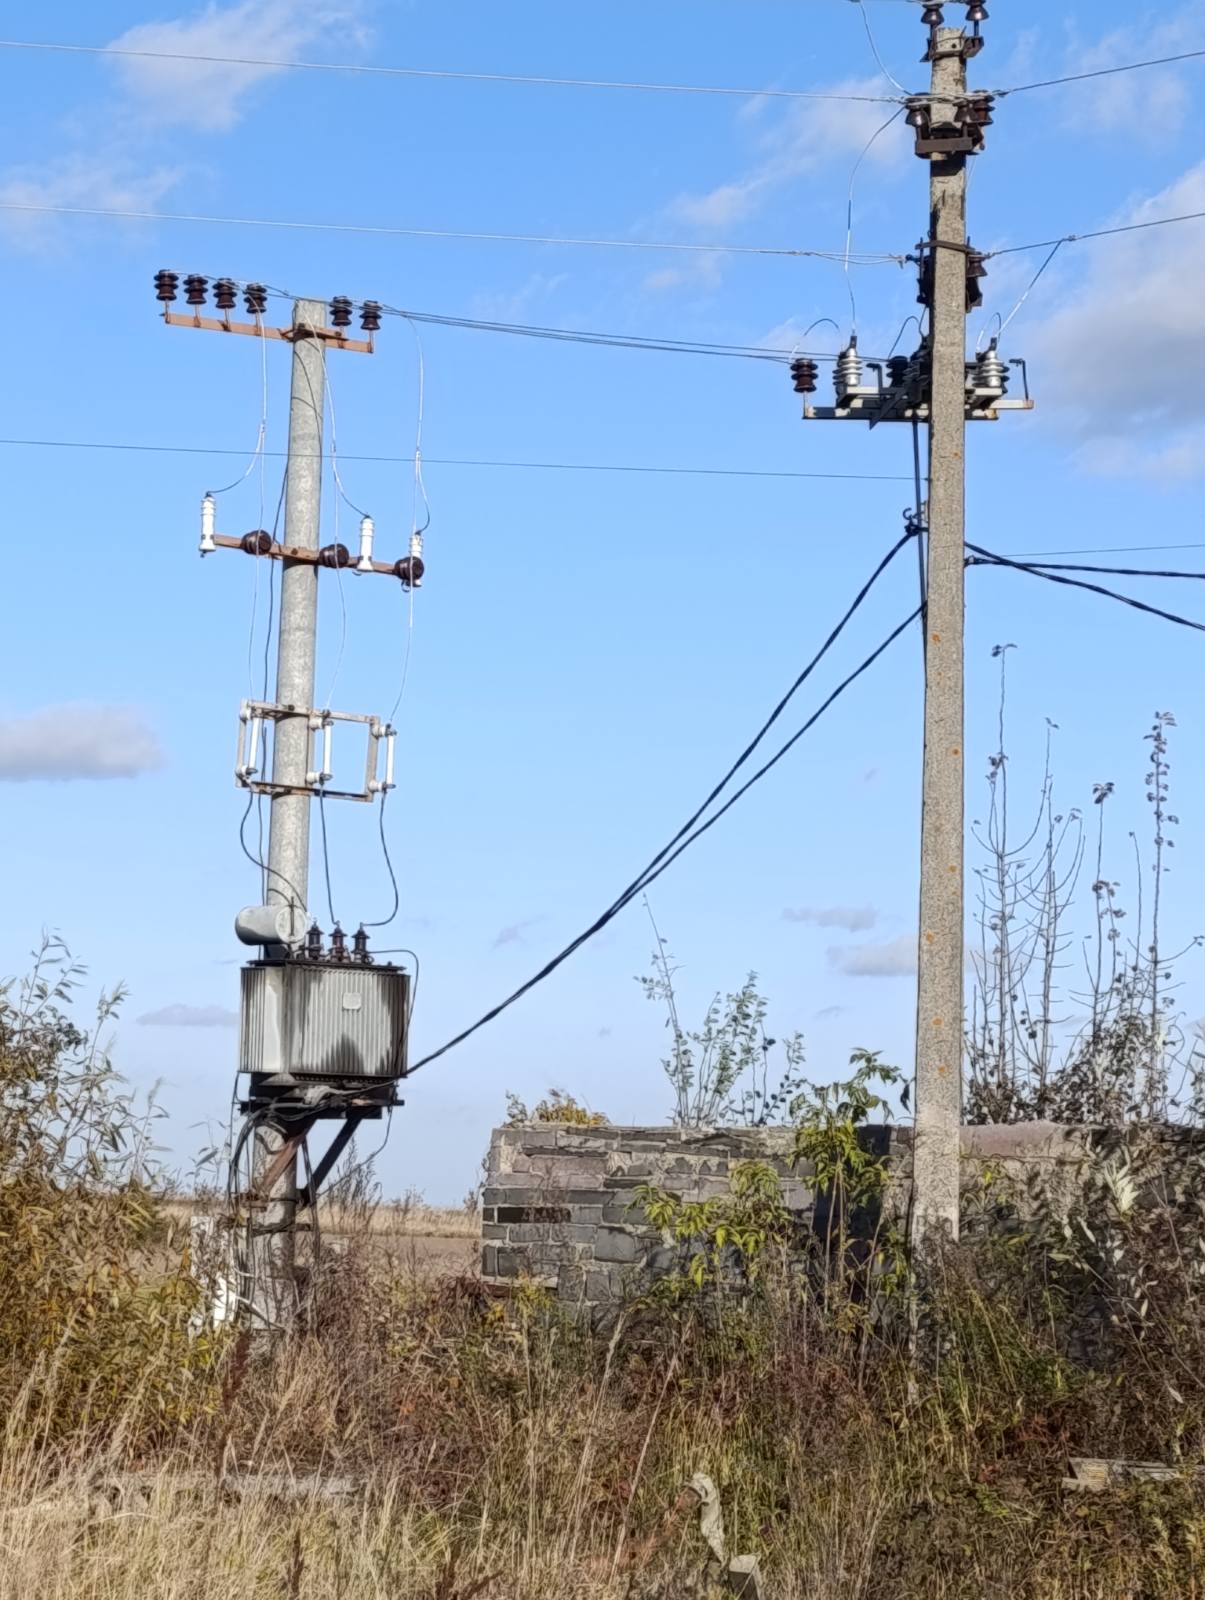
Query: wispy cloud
[(513, 932), (180, 1015), (66, 742), (1151, 106), (808, 136), (108, 178), (107, 166), (895, 959), (854, 919), (211, 96), (1114, 352), (511, 305)]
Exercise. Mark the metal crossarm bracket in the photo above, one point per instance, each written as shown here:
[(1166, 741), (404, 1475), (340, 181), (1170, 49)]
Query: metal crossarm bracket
[(252, 759)]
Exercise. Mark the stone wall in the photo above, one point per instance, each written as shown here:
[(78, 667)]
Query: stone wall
[(558, 1202)]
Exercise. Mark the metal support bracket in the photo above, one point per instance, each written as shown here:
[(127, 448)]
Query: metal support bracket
[(333, 337), (252, 758)]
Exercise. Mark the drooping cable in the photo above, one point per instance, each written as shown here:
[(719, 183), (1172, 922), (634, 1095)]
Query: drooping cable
[(642, 883), (874, 49), (326, 856), (849, 209), (675, 845), (397, 899)]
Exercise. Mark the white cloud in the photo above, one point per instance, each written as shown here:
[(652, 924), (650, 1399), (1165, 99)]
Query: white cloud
[(210, 95), (895, 959), (98, 180), (182, 1016), (77, 740), (854, 919), (808, 136), (1115, 362), (702, 273), (511, 306), (1152, 105)]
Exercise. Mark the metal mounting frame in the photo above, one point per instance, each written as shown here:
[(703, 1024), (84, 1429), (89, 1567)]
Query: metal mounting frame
[(253, 714), (334, 337)]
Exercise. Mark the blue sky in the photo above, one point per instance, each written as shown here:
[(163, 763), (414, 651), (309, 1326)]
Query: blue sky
[(590, 649)]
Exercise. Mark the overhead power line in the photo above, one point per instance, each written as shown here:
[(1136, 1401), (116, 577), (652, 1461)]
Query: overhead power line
[(1102, 72), (689, 832), (465, 461), (982, 557), (1096, 233), (387, 231), (1116, 572), (591, 336), (1101, 550), (358, 69)]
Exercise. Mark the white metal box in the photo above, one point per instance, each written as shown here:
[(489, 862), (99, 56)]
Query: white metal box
[(315, 1019)]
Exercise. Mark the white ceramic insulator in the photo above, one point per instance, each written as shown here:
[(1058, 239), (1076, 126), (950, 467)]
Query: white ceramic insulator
[(416, 544), (207, 522), (252, 762), (390, 740), (366, 536)]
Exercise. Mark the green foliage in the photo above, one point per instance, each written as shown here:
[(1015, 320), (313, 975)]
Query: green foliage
[(722, 1072), (828, 1118), (95, 1308), (728, 1234)]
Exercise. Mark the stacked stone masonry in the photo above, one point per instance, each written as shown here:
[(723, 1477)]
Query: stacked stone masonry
[(559, 1203)]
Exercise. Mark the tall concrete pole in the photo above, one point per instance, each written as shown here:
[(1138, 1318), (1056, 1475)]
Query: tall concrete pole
[(939, 1019), (289, 830)]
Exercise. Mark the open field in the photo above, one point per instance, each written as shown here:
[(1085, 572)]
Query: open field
[(431, 1241)]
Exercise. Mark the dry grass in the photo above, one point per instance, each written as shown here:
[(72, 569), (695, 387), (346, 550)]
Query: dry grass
[(386, 1219)]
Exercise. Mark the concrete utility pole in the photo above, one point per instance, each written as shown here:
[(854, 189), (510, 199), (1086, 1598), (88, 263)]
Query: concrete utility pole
[(941, 954), (289, 827)]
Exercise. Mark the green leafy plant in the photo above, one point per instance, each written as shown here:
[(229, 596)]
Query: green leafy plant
[(723, 1073)]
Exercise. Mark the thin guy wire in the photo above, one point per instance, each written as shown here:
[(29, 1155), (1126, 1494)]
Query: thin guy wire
[(849, 212), (1029, 289), (1100, 72), (436, 73), (464, 461), (874, 49), (640, 885), (131, 215), (1101, 550), (1097, 233)]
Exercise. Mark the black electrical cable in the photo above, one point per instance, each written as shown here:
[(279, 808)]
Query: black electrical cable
[(1117, 572), (668, 856), (385, 921), (326, 859), (989, 558)]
